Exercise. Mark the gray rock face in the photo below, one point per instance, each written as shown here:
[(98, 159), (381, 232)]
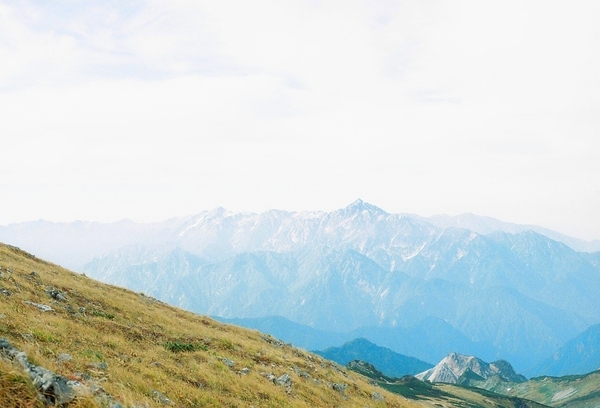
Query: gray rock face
[(43, 308), (56, 294), (63, 358), (102, 366), (53, 388), (284, 381), (161, 398), (453, 367), (377, 396), (341, 388), (228, 362)]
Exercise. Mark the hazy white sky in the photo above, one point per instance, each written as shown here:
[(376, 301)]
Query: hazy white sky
[(156, 109)]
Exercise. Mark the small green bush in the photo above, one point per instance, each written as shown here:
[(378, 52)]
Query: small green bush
[(177, 347), (226, 344), (101, 313)]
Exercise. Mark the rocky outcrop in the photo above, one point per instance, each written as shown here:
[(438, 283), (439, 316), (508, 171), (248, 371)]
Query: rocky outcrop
[(456, 368), (53, 389)]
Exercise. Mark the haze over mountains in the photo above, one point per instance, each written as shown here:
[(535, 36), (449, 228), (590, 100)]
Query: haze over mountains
[(504, 291)]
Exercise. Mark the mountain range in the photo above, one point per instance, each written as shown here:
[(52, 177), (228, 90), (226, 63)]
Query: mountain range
[(502, 291)]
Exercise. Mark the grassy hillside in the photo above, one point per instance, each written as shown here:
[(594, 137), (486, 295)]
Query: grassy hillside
[(143, 352)]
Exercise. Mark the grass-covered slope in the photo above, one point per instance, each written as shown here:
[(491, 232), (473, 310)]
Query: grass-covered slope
[(142, 352)]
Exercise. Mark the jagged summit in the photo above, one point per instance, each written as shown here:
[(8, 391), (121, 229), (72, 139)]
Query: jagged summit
[(455, 367), (359, 206)]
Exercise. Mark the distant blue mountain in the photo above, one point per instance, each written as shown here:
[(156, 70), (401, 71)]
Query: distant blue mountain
[(581, 355), (387, 361), (429, 340)]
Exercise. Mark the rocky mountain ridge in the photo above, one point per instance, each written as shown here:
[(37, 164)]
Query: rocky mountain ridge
[(454, 368), (273, 230)]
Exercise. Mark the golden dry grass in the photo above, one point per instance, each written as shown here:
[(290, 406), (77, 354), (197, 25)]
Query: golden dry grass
[(128, 331)]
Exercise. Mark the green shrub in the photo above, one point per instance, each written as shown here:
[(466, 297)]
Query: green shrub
[(101, 313), (177, 347)]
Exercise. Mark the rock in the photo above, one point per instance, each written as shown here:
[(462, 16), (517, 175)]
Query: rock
[(82, 376), (99, 366), (35, 277), (245, 371), (377, 396), (56, 294), (5, 345), (271, 340), (79, 389), (63, 357), (43, 308), (5, 292), (228, 362), (339, 387), (304, 374), (53, 388), (161, 398), (300, 372), (284, 381)]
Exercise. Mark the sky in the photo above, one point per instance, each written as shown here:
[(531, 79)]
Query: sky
[(148, 109)]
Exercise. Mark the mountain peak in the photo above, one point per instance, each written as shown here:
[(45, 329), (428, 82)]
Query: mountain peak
[(454, 367), (360, 205)]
